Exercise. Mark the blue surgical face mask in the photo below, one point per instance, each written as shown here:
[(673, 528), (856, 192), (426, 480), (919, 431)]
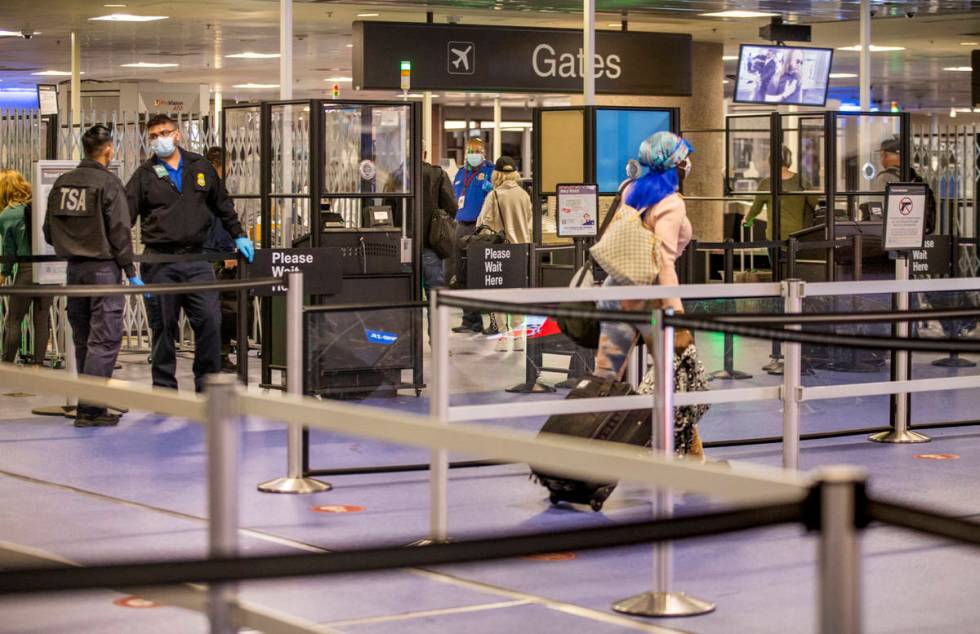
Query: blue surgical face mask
[(163, 146), (475, 160)]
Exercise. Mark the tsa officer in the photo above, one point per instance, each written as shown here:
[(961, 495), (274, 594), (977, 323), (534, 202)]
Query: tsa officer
[(175, 195), (88, 223), (472, 184)]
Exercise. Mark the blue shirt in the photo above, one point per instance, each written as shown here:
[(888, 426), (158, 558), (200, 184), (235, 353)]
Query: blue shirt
[(176, 174), (472, 186)]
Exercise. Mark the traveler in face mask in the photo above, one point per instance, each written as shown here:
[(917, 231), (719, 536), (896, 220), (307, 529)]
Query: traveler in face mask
[(472, 184), (175, 195)]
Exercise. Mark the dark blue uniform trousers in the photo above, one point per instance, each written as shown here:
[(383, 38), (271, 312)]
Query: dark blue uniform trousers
[(96, 323), (203, 312)]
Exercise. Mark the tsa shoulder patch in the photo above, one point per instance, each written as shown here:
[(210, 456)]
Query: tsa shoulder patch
[(160, 170), (380, 337), (200, 179)]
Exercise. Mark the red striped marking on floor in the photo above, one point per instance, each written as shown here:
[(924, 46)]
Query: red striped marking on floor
[(135, 602), (551, 557), (937, 456), (338, 508)]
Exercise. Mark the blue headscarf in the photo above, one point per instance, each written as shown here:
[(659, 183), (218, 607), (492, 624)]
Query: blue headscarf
[(661, 153)]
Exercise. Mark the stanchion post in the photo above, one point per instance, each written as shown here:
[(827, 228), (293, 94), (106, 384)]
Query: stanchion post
[(661, 601), (792, 366), (839, 550), (294, 482), (222, 445), (533, 353), (729, 372), (439, 410), (241, 299), (901, 433)]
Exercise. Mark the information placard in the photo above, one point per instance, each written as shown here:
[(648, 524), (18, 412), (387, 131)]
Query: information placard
[(578, 210), (905, 216), (322, 269), (496, 266)]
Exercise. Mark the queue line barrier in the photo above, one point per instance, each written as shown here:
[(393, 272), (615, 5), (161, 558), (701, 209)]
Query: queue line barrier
[(832, 502), (241, 290)]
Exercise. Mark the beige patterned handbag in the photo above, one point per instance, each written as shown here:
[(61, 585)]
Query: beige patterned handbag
[(629, 252)]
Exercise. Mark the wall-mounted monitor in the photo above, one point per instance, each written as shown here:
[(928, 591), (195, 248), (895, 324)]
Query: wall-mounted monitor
[(783, 75), (618, 135)]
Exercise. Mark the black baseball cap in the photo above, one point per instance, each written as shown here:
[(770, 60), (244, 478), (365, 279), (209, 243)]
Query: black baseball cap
[(892, 144), (505, 164)]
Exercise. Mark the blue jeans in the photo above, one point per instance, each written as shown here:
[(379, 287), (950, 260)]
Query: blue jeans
[(432, 271)]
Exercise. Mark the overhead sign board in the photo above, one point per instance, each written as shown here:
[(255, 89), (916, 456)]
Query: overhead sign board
[(519, 59), (905, 216)]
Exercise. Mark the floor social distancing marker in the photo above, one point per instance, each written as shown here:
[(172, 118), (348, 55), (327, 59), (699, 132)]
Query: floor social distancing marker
[(338, 508), (135, 602), (937, 456)]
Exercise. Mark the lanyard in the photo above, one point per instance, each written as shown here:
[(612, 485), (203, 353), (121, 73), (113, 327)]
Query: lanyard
[(467, 179)]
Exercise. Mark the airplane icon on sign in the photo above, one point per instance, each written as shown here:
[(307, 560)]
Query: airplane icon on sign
[(461, 58)]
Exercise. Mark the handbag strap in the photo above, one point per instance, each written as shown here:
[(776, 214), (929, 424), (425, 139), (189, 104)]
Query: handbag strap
[(496, 204)]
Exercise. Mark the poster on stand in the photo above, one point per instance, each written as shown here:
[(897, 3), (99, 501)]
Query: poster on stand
[(905, 216), (578, 210)]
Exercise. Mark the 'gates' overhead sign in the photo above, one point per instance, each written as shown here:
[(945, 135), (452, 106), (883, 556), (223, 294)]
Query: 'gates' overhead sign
[(501, 59)]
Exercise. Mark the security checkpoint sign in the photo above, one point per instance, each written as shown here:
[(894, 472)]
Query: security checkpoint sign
[(496, 266), (933, 258), (905, 216), (321, 267)]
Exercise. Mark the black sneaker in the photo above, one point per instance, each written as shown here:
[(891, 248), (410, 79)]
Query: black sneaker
[(467, 329), (101, 420), (492, 330)]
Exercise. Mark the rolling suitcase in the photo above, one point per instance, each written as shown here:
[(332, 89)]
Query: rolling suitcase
[(633, 427)]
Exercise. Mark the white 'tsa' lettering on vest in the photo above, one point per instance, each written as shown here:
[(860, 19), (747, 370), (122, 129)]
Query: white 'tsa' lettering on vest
[(73, 199)]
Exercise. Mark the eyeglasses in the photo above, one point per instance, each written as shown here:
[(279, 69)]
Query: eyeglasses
[(163, 133)]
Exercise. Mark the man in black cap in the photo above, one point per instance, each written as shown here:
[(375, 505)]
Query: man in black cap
[(890, 157), (88, 223)]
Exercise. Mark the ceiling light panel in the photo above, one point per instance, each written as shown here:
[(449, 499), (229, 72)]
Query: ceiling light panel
[(125, 17)]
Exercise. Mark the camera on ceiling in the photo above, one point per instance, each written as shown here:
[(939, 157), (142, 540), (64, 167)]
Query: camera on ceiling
[(27, 34), (911, 13)]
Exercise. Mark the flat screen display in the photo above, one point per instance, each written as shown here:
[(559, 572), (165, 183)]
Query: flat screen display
[(783, 75), (618, 134)]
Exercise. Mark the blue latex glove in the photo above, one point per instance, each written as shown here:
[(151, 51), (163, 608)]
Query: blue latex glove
[(136, 281), (245, 247)]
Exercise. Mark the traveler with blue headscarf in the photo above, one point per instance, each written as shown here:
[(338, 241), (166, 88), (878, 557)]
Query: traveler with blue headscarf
[(655, 201)]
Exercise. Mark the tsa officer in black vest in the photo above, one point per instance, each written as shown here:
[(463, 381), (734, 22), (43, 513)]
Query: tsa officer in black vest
[(175, 195), (88, 223)]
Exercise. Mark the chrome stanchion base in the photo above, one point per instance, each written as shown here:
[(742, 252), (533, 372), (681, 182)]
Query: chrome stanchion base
[(734, 375), (294, 485), (954, 361), (895, 436), (663, 604), (426, 541)]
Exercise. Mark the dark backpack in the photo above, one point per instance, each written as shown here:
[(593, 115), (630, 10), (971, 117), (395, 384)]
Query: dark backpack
[(932, 208)]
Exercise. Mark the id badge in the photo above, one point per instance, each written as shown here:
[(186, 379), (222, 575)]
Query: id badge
[(461, 202)]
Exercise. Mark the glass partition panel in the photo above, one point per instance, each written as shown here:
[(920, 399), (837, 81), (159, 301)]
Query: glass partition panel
[(367, 149), (748, 153), (862, 165), (562, 148)]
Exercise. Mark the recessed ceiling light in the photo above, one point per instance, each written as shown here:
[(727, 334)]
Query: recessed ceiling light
[(368, 15), (113, 6), (54, 73), (874, 48), (350, 46), (969, 43), (615, 24), (251, 85), (339, 79), (16, 33), (149, 65), (959, 69), (125, 17), (724, 81), (252, 55), (729, 58), (842, 75), (735, 13)]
